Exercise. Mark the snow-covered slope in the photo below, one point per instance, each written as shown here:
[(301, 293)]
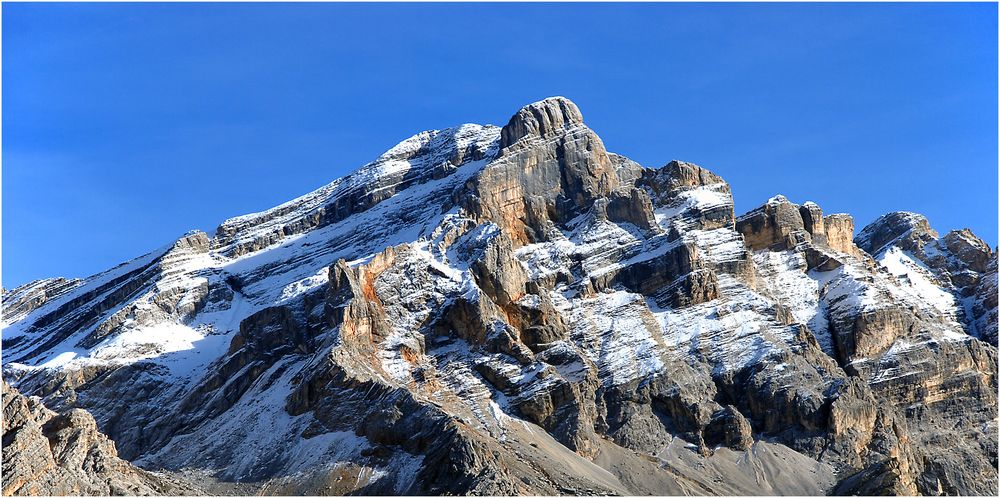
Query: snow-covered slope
[(518, 311)]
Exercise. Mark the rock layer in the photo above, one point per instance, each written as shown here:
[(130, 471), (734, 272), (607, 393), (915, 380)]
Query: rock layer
[(46, 453)]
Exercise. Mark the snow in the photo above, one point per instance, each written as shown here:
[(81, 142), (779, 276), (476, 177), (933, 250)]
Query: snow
[(60, 360), (729, 338), (183, 350), (695, 199), (845, 291), (300, 287), (260, 435), (720, 245), (620, 342), (784, 274), (602, 245), (161, 337), (917, 280)]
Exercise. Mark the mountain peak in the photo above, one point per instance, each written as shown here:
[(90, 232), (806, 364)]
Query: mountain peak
[(541, 119), (908, 230)]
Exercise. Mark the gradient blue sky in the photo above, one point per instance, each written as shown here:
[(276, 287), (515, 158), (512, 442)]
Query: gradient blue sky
[(126, 125)]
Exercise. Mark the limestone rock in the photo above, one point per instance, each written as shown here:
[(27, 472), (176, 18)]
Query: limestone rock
[(353, 305), (839, 229), (984, 308), (499, 273), (970, 250), (635, 208), (813, 221), (674, 182), (46, 453), (22, 300), (550, 167), (420, 159), (909, 231), (777, 223), (543, 119), (958, 262), (729, 428)]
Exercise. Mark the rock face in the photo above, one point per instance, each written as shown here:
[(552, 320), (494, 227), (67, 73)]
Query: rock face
[(46, 453), (839, 229), (779, 224), (959, 262), (18, 302), (516, 310), (550, 168)]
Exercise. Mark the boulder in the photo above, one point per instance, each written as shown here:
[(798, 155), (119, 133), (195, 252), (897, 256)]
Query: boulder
[(729, 428)]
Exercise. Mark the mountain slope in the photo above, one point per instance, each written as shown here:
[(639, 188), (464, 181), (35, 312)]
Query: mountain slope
[(517, 310)]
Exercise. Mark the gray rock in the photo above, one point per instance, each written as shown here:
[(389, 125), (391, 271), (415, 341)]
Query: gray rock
[(46, 453), (729, 428)]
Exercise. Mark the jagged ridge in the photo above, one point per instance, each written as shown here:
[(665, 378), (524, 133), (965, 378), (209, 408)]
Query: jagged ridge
[(519, 311)]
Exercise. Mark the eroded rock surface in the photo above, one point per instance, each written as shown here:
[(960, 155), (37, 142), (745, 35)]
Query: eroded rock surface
[(47, 453)]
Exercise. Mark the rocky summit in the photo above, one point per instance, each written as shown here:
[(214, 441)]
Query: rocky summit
[(514, 311)]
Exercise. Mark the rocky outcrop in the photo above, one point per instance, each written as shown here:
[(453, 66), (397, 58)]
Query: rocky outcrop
[(677, 277), (839, 230), (541, 120), (634, 208), (968, 250), (498, 272), (18, 302), (870, 332), (353, 305), (46, 453), (959, 262), (959, 258), (779, 224), (566, 407), (984, 307), (908, 231), (669, 186), (550, 167), (729, 428)]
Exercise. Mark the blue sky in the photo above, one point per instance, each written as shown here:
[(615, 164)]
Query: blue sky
[(126, 125)]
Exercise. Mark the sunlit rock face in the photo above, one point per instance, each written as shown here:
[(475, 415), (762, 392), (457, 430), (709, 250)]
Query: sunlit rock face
[(49, 453), (516, 310)]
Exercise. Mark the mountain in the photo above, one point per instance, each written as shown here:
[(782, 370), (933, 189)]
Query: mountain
[(516, 310)]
